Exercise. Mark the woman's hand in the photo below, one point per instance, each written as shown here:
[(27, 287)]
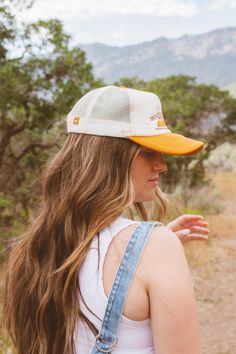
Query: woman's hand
[(189, 227)]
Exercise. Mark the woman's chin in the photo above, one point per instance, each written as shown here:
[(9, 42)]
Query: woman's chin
[(147, 198)]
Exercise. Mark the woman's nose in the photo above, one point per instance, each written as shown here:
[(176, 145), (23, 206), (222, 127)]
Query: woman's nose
[(160, 165)]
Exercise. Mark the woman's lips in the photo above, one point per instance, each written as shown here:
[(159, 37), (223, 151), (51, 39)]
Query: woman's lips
[(154, 181)]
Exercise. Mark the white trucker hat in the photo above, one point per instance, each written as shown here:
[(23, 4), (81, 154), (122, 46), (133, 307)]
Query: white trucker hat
[(127, 113)]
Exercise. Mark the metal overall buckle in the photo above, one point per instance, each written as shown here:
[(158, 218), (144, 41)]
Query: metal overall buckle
[(105, 350)]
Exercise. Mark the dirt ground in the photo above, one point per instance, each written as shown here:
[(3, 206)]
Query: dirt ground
[(213, 267)]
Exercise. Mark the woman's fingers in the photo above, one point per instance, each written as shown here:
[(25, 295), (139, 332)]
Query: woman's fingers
[(196, 237), (198, 234), (200, 223), (188, 218), (186, 221), (199, 230)]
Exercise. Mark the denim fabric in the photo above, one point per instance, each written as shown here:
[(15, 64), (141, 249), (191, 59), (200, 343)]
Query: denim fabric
[(107, 339)]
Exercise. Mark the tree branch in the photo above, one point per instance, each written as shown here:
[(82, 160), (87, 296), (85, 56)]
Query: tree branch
[(31, 147), (13, 131)]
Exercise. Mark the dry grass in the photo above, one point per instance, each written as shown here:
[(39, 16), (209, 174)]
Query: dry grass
[(222, 225), (225, 181)]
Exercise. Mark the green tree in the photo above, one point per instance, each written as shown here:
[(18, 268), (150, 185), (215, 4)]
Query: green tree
[(133, 82), (41, 76)]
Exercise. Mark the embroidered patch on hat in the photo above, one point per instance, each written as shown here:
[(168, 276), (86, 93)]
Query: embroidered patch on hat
[(76, 120), (160, 122)]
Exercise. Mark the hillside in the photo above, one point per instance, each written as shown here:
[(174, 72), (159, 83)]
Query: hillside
[(211, 57)]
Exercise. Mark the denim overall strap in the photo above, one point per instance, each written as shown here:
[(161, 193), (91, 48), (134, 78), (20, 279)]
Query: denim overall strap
[(107, 339)]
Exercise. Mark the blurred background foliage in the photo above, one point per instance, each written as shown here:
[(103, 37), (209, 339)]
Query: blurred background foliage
[(42, 75)]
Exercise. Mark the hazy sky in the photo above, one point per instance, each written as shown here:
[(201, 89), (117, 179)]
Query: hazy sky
[(124, 22)]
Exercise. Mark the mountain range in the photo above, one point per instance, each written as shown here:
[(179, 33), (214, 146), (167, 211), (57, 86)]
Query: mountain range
[(210, 57)]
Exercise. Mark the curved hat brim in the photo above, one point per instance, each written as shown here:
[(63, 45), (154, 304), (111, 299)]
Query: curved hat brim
[(170, 143)]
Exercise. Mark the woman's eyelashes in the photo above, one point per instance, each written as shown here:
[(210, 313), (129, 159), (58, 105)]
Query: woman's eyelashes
[(149, 154)]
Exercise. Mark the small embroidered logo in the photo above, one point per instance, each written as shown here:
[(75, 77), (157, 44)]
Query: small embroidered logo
[(76, 120), (160, 122)]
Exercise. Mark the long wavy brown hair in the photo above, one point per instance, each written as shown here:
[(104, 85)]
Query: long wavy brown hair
[(84, 188)]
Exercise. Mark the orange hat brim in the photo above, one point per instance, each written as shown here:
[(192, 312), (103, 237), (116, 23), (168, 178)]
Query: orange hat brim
[(170, 143)]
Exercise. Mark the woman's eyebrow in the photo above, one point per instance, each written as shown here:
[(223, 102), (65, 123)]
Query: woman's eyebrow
[(147, 149)]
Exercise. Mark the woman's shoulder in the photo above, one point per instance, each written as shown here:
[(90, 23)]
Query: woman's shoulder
[(163, 247), (163, 239), (163, 258), (161, 242)]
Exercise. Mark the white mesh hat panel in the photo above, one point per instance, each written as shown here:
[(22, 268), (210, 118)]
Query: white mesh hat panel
[(113, 104), (81, 106), (79, 111)]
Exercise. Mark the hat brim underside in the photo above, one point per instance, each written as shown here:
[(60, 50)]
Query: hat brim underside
[(171, 144)]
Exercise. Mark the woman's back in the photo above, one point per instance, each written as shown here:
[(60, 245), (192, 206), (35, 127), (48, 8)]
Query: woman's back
[(138, 333)]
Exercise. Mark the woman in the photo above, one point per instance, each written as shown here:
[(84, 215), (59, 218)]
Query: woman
[(68, 288)]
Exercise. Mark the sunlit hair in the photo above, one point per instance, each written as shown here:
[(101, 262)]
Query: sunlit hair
[(84, 188)]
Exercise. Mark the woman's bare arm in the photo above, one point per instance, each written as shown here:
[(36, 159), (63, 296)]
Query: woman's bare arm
[(172, 299)]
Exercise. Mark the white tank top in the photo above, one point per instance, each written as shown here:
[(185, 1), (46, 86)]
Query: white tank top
[(133, 336)]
